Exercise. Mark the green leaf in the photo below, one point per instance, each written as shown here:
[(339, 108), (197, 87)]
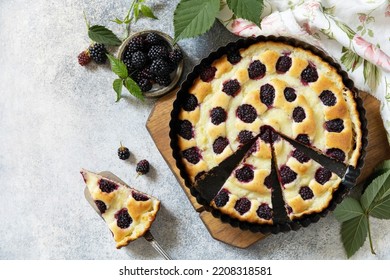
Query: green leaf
[(117, 86), (118, 67), (136, 11), (247, 9), (146, 11), (103, 35), (348, 209), (354, 233), (376, 191), (372, 75), (381, 210), (194, 17), (117, 20), (133, 88), (384, 166)]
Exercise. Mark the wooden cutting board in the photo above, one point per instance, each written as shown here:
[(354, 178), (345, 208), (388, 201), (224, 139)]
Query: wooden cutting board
[(158, 126)]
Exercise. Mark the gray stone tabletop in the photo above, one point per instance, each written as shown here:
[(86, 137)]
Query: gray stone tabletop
[(57, 117)]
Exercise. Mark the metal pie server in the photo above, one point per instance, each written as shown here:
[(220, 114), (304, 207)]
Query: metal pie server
[(148, 235)]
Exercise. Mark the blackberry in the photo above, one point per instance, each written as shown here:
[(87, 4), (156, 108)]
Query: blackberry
[(185, 129), (218, 115), (107, 186), (299, 156), (298, 114), (233, 56), (190, 102), (222, 198), (208, 74), (152, 39), (267, 182), (309, 75), (242, 205), (335, 125), (306, 193), (322, 175), (142, 167), (163, 80), (138, 60), (123, 152), (289, 94), (101, 206), (267, 94), (328, 98), (283, 64), (245, 136), (336, 154), (136, 44), (253, 149), (84, 58), (145, 85), (231, 87), (123, 218), (192, 155), (220, 144), (288, 209), (268, 134), (303, 139), (175, 56), (287, 175), (264, 211), (245, 174), (98, 53), (247, 113), (139, 196), (256, 70), (143, 74), (160, 67), (157, 51)]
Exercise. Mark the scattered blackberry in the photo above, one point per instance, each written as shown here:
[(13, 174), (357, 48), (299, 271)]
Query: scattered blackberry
[(84, 58), (136, 44), (287, 175), (233, 56), (192, 155), (220, 144), (175, 56), (160, 67), (157, 51), (283, 64), (306, 193), (163, 80), (336, 154), (335, 125), (245, 174), (139, 196), (267, 94), (231, 87), (264, 211), (242, 205), (101, 206), (142, 167), (145, 85), (303, 139), (328, 98), (123, 152), (107, 186), (222, 198), (247, 113), (98, 53), (185, 129), (190, 102), (138, 60), (268, 134), (322, 175), (244, 136), (123, 218), (267, 182), (218, 115), (298, 114), (288, 209), (309, 75), (152, 39), (208, 74), (147, 74), (289, 94), (299, 156), (256, 70)]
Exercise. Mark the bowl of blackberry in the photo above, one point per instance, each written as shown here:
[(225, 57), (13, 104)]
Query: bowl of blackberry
[(154, 62)]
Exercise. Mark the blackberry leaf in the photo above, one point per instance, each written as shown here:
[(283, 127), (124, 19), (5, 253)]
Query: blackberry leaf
[(117, 86), (350, 208), (118, 67), (376, 191), (247, 9), (147, 12), (354, 233), (103, 35), (133, 88)]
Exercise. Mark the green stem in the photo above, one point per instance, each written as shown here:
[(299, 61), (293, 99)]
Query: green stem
[(127, 17), (369, 236)]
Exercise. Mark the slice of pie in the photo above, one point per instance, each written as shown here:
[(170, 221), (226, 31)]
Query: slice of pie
[(128, 213)]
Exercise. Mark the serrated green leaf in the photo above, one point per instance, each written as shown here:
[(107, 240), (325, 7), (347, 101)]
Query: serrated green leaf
[(381, 210), (384, 166), (376, 191), (194, 17), (117, 86), (118, 67), (146, 11), (247, 9), (103, 35), (348, 209), (133, 88), (354, 233)]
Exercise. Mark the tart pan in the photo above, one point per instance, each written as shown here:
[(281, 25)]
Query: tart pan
[(350, 177)]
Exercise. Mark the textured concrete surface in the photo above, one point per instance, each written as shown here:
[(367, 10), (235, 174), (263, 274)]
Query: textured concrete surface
[(56, 117)]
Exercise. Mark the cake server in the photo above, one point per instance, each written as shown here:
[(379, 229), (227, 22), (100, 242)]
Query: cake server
[(148, 235)]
